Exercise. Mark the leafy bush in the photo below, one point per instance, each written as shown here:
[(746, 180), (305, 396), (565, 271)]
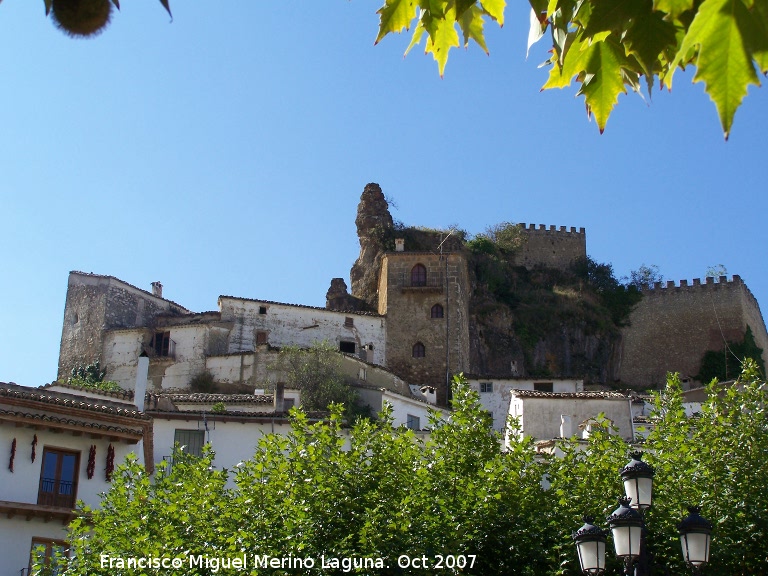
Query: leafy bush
[(203, 382)]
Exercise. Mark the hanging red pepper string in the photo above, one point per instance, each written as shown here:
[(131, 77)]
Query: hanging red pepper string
[(91, 461), (13, 454), (34, 446), (110, 462)]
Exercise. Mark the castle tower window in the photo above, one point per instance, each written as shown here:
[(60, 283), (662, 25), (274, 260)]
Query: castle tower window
[(418, 350), (418, 275), (262, 309), (437, 311), (261, 337), (349, 322)]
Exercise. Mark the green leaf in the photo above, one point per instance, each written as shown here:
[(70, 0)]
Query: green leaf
[(613, 15), (442, 37), (418, 32), (573, 64), (647, 39), (673, 7), (471, 23), (721, 33), (603, 79), (495, 9), (759, 44), (395, 16)]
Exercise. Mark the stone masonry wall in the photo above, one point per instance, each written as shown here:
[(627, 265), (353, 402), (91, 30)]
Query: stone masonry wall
[(551, 247), (672, 327), (408, 311), (97, 303)]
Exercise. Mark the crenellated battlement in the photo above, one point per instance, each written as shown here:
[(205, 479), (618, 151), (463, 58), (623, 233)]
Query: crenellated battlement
[(551, 247), (551, 229)]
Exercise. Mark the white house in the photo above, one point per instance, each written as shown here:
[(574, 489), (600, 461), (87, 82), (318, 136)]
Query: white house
[(496, 393), (58, 448)]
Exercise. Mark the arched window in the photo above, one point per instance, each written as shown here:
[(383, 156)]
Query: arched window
[(437, 311), (418, 350), (418, 275)]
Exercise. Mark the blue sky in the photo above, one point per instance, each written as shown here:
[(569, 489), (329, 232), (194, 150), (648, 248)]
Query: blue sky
[(225, 153)]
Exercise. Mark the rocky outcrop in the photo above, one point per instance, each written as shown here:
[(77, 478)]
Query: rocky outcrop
[(337, 298), (374, 228)]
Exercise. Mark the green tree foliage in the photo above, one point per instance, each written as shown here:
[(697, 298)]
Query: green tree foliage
[(716, 271), (617, 297), (645, 277), (92, 376), (608, 46), (372, 491), (316, 371), (376, 491), (725, 364)]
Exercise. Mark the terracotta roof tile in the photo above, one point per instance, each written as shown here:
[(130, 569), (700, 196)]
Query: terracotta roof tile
[(575, 395), (73, 401), (47, 418), (350, 312)]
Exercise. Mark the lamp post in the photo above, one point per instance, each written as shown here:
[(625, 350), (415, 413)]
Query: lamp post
[(627, 525)]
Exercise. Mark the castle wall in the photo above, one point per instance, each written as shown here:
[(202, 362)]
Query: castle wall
[(408, 310), (673, 326), (303, 326), (551, 247), (97, 303)]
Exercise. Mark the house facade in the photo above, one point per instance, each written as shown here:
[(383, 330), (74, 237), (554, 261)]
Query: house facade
[(59, 448)]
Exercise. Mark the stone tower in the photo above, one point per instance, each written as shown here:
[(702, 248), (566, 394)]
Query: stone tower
[(425, 297)]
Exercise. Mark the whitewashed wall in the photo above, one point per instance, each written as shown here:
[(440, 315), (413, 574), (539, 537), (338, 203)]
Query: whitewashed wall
[(302, 326), (497, 402), (22, 484), (541, 417)]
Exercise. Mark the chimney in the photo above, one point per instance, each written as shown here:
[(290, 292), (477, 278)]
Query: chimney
[(157, 289), (399, 244), (280, 397), (566, 429), (142, 369)]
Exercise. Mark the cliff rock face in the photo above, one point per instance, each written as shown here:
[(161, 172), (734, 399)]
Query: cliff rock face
[(374, 226)]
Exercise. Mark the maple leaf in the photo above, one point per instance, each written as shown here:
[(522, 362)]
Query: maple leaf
[(719, 41), (603, 78), (471, 23), (442, 37), (395, 16)]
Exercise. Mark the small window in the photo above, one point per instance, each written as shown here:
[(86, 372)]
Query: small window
[(58, 478), (542, 386), (349, 322), (161, 344), (191, 441), (347, 347), (262, 309), (362, 374), (44, 551), (486, 387), (261, 337), (418, 350), (437, 311), (288, 403), (418, 275), (413, 422)]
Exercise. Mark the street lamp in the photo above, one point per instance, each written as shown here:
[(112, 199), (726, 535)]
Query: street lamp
[(628, 528), (638, 481), (695, 536), (590, 544)]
